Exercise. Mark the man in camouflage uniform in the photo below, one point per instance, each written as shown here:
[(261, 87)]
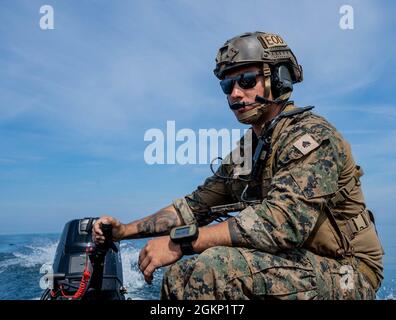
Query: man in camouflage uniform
[(302, 230)]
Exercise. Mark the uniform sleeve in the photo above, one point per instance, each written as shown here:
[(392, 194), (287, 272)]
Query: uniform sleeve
[(194, 208), (307, 170)]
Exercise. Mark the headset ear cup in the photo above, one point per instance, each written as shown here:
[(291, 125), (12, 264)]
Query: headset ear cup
[(281, 81), (275, 82)]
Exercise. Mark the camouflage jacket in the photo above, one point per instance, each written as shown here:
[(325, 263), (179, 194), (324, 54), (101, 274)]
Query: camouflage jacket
[(309, 161)]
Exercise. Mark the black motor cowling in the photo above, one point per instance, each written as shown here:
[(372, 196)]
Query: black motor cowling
[(75, 254)]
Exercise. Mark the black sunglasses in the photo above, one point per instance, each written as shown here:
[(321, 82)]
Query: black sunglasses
[(245, 80)]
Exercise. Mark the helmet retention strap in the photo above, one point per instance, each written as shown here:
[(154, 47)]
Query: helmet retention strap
[(267, 80)]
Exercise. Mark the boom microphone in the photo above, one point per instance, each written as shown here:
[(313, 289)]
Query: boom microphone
[(258, 100)]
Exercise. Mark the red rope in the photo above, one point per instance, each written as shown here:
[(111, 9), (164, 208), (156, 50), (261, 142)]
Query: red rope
[(83, 283)]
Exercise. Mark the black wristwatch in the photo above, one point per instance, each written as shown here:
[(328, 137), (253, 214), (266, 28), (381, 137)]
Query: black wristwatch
[(184, 235)]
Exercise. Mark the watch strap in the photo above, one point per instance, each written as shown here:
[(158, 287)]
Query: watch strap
[(187, 248)]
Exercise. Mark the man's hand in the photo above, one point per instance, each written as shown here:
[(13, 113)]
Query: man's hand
[(118, 229), (157, 253)]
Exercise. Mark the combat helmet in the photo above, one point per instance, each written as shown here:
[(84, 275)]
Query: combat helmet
[(280, 67)]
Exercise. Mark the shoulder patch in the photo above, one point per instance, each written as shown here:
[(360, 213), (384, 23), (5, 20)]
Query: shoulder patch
[(306, 144)]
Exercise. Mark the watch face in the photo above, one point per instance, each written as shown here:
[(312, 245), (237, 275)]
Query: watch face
[(182, 232)]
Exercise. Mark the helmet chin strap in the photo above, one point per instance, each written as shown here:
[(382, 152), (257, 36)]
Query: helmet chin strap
[(253, 115), (261, 106)]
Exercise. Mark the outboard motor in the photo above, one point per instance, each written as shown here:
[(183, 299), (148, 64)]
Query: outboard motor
[(83, 270)]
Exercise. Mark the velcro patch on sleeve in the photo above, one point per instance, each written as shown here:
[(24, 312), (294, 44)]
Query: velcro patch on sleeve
[(306, 144)]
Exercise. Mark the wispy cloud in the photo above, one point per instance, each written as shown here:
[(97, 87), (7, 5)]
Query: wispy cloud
[(97, 79), (15, 160)]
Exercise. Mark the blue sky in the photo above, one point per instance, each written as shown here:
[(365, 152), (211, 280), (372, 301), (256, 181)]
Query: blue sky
[(76, 101)]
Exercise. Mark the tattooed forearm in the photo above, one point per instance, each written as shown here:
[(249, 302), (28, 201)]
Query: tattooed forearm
[(236, 237), (157, 224)]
